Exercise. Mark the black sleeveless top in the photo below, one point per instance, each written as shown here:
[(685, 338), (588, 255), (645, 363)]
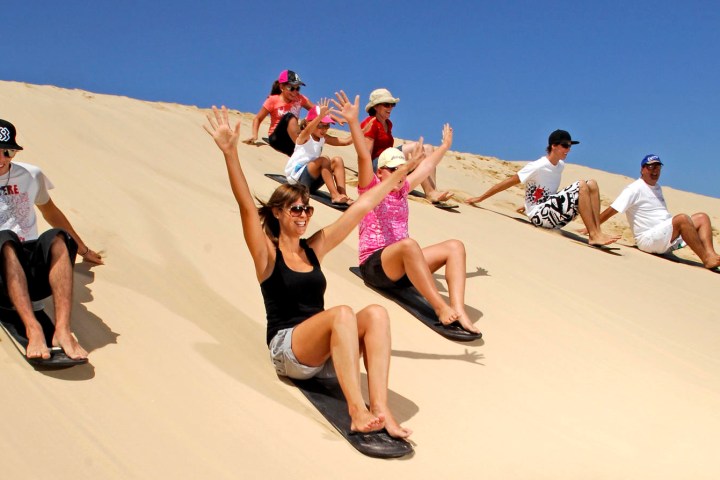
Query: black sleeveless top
[(291, 297)]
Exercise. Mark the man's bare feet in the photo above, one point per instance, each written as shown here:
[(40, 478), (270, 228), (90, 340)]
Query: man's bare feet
[(391, 425), (603, 239), (364, 421), (437, 196), (69, 344), (36, 347)]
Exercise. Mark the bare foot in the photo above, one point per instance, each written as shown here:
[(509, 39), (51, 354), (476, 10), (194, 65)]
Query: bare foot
[(447, 315), (69, 344), (603, 239), (438, 196), (342, 199), (364, 422), (391, 425), (36, 343), (467, 324), (713, 263)]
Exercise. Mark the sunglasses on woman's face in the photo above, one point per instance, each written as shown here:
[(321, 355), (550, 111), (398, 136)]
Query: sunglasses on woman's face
[(9, 153), (291, 88), (297, 210), (387, 105), (390, 169)]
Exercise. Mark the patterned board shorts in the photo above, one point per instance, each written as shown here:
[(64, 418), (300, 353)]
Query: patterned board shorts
[(559, 209)]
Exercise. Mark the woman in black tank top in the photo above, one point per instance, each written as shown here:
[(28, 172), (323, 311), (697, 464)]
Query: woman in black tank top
[(288, 269)]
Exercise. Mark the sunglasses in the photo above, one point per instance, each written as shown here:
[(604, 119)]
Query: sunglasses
[(390, 169), (291, 88), (565, 145), (387, 105), (653, 166), (324, 126), (9, 153), (297, 210)]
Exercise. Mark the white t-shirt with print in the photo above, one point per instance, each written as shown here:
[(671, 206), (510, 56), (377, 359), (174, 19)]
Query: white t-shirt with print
[(302, 155), (644, 206), (27, 186), (541, 179)]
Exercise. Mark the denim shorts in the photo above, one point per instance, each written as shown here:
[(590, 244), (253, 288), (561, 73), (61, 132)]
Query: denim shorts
[(287, 365)]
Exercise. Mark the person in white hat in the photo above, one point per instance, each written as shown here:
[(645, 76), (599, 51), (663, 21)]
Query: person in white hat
[(378, 136), (654, 228), (388, 257), (36, 266)]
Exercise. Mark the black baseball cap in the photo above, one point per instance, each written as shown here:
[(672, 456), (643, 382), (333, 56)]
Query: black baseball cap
[(7, 136), (561, 136)]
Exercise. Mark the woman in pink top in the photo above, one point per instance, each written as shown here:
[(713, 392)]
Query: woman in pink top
[(388, 256), (283, 105)]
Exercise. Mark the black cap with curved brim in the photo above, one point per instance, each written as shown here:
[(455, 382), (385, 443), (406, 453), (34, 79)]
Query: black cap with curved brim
[(561, 136), (7, 136)]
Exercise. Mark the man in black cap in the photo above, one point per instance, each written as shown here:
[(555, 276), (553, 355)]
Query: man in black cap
[(544, 205), (654, 228), (32, 266)]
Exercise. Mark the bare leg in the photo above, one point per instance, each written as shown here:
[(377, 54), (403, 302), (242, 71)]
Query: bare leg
[(374, 330), (337, 166), (406, 258), (697, 233), (451, 254), (20, 297), (293, 129), (589, 208), (322, 167), (61, 284), (334, 332)]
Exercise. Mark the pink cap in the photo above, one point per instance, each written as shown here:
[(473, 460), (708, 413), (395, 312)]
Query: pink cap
[(314, 112)]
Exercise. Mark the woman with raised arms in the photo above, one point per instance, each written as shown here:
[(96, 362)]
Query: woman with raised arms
[(302, 335)]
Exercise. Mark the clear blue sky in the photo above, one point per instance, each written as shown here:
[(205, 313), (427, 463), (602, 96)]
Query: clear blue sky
[(626, 78)]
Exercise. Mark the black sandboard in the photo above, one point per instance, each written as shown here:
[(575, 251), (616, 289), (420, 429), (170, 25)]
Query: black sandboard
[(441, 205), (414, 303), (317, 195), (325, 394), (13, 326)]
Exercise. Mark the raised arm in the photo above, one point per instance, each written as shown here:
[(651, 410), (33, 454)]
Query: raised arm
[(497, 188), (365, 167), (305, 133), (329, 237), (226, 138), (427, 166)]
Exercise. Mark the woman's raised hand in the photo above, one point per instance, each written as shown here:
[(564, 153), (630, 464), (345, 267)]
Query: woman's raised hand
[(344, 107), (447, 135), (225, 136)]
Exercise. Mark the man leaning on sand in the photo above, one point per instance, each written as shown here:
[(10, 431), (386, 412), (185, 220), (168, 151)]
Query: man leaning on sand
[(34, 267), (654, 228), (547, 207)]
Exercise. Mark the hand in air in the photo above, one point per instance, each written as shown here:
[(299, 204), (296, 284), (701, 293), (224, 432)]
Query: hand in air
[(447, 135), (225, 136), (344, 107)]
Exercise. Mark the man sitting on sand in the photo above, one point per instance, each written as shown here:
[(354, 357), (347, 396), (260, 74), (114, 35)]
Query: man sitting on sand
[(654, 229), (544, 205), (34, 267)]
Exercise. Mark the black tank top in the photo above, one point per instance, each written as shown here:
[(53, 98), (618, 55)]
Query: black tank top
[(291, 297)]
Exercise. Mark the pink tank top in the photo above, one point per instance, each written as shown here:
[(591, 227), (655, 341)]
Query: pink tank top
[(385, 224)]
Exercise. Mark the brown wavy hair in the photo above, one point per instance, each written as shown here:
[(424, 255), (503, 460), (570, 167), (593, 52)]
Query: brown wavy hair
[(283, 196)]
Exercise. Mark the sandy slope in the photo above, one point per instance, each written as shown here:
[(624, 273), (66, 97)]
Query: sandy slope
[(594, 364)]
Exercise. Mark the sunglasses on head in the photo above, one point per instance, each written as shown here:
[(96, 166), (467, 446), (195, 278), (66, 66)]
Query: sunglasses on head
[(9, 153), (297, 210), (293, 88)]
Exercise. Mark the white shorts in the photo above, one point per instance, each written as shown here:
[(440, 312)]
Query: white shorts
[(658, 239), (287, 365)]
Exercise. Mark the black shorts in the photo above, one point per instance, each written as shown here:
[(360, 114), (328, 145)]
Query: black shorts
[(373, 273), (34, 256), (280, 139)]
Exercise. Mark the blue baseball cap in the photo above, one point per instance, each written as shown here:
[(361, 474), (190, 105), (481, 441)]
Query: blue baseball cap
[(650, 159)]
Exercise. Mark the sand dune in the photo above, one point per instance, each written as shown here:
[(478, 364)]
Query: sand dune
[(594, 364)]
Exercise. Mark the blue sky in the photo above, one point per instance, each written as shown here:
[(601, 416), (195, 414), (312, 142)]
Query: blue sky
[(626, 78)]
